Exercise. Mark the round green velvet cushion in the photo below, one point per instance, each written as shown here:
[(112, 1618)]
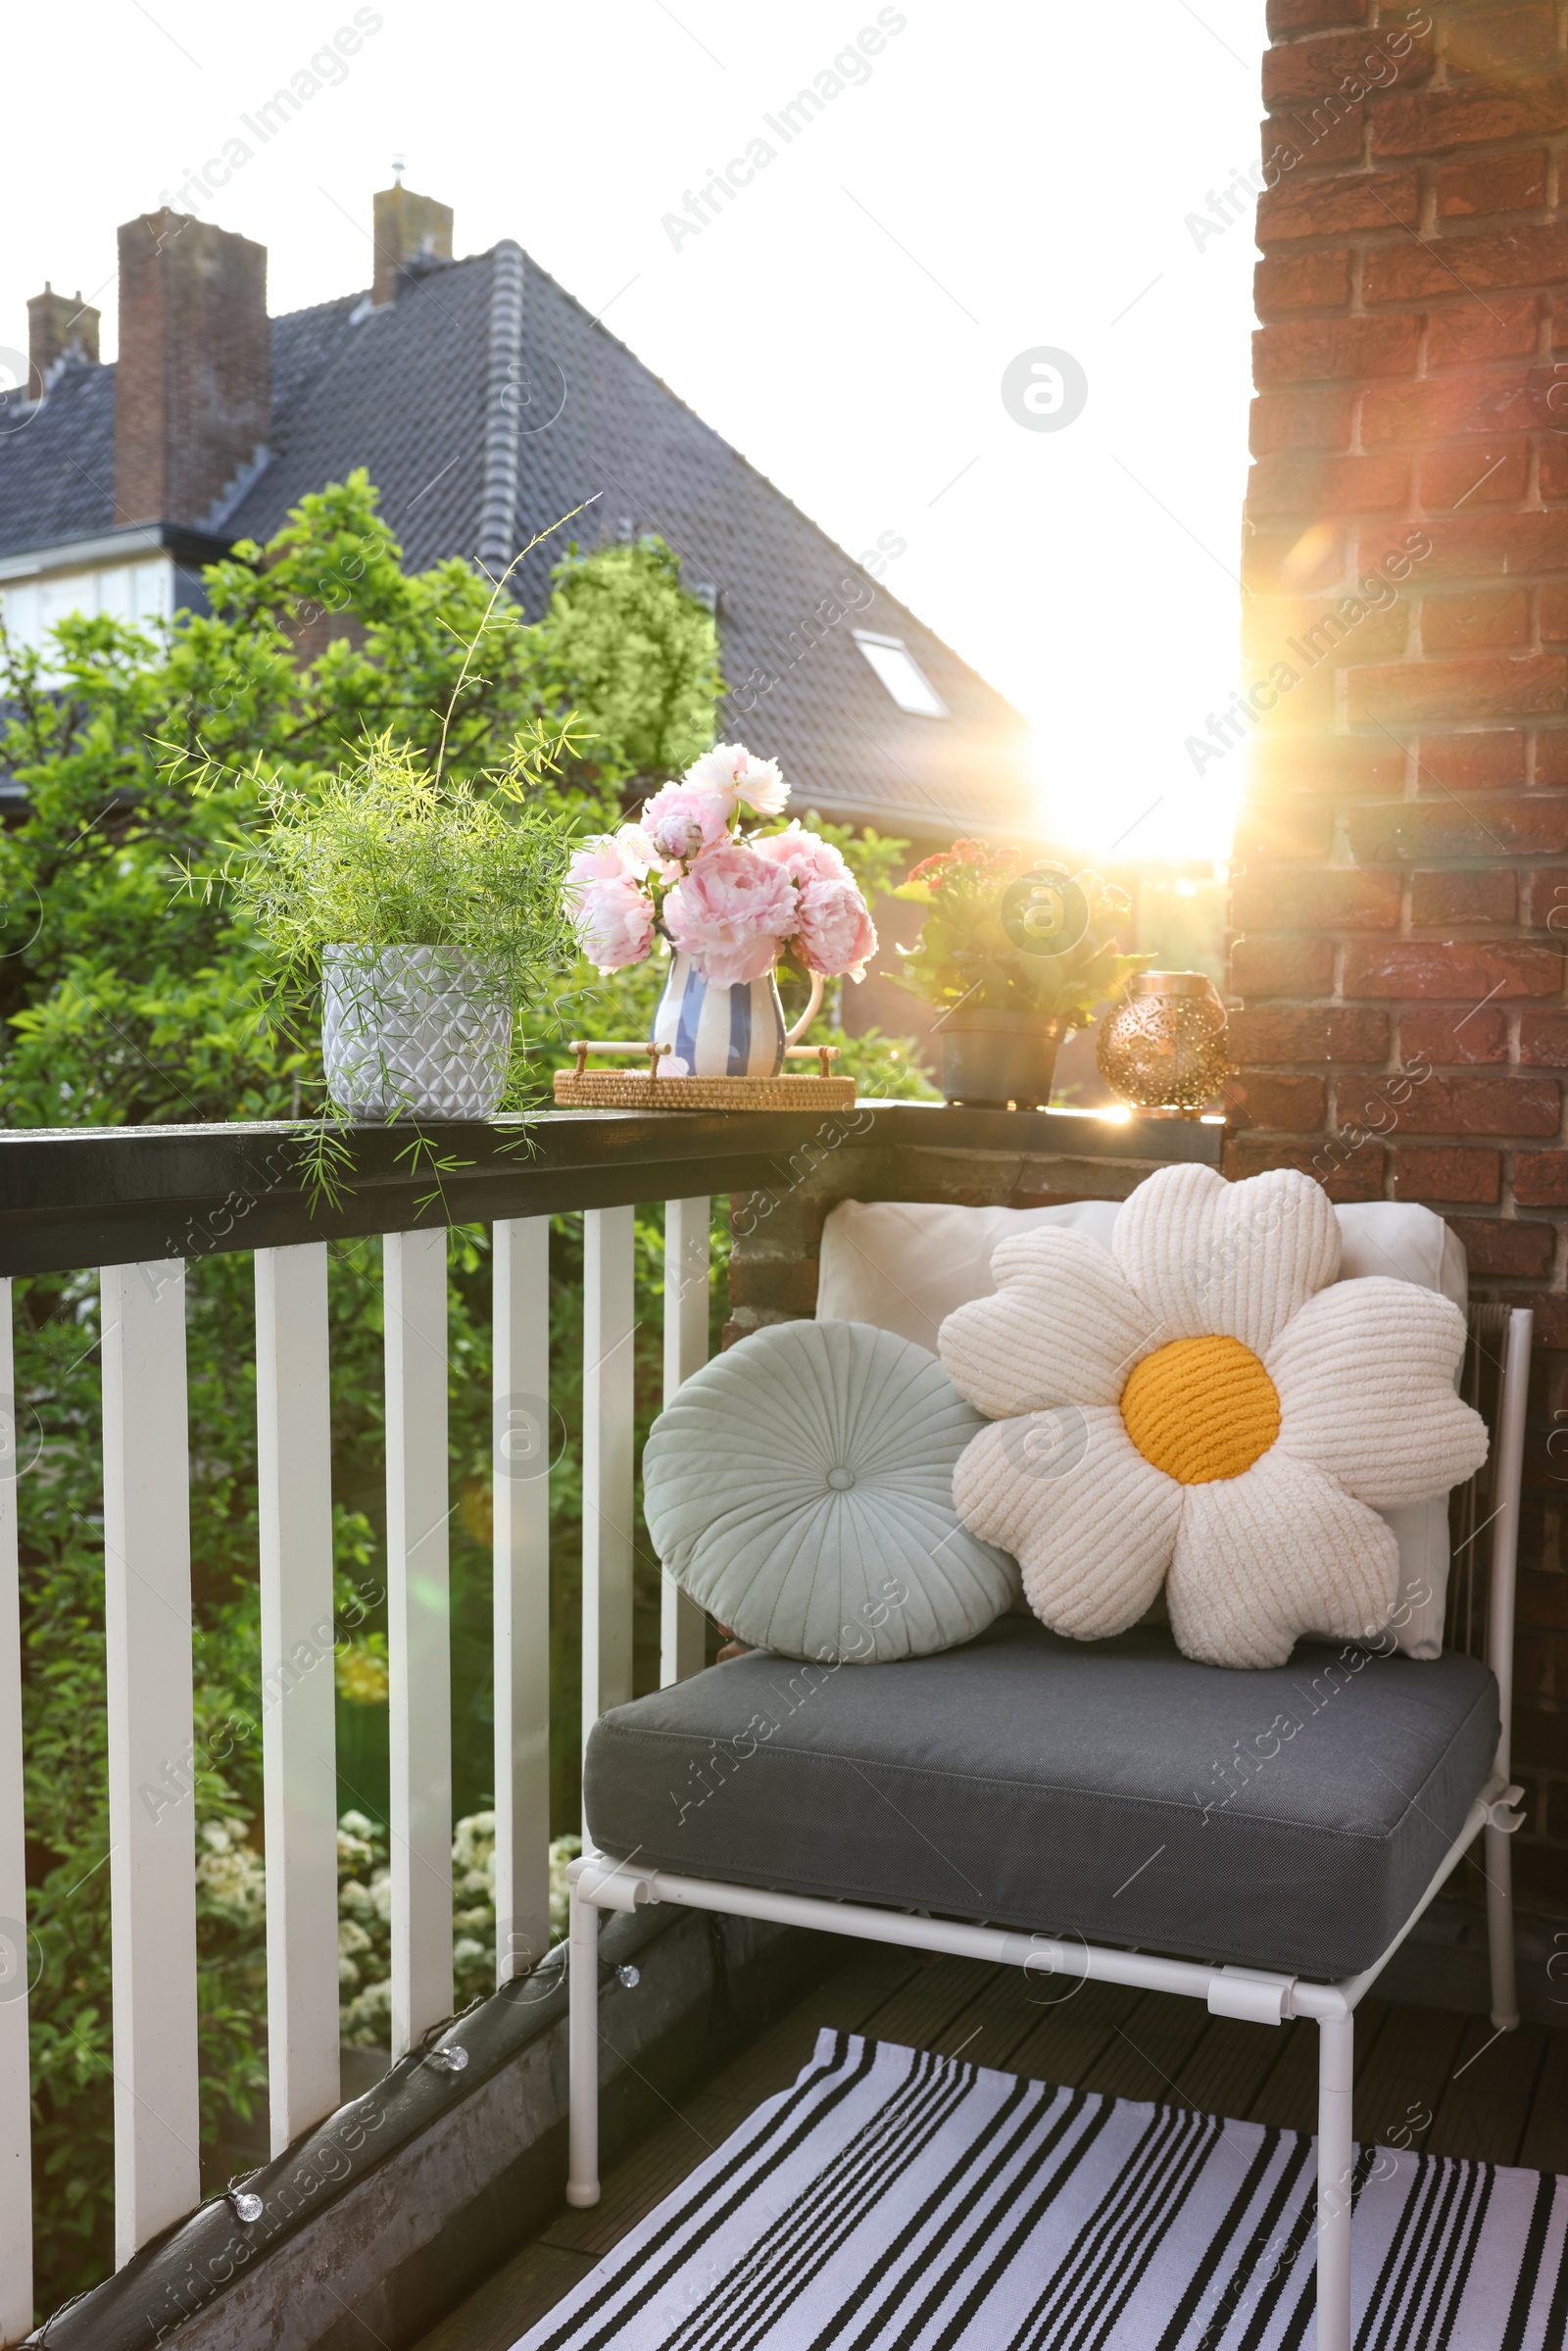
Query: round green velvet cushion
[(800, 1487)]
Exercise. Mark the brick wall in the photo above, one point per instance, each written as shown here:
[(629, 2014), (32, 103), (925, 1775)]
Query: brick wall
[(1403, 854)]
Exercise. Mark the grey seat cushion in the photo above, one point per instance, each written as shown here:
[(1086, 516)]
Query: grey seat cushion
[(1287, 1819)]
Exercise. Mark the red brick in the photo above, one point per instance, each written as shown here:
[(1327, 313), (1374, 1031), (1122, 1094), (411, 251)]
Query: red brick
[(1555, 468), (1554, 615), (1463, 332), (1535, 824), (1552, 755), (1551, 1311), (1457, 1105), (1282, 967), (1494, 183), (1471, 762), (1309, 139), (1332, 900), (1329, 485), (1545, 899), (1431, 1171), (1483, 473), (1310, 16), (1494, 689), (1486, 894), (1540, 1179), (786, 1283), (1499, 1245), (1490, 37), (1454, 971), (1498, 403), (1345, 1173), (1326, 208), (1312, 350), (1309, 1033), (1514, 257), (1301, 282), (1292, 561), (1342, 763), (1258, 1098), (1543, 1038), (1479, 616), (1291, 829), (1425, 122), (1286, 421), (1482, 546), (1449, 1037), (1309, 70)]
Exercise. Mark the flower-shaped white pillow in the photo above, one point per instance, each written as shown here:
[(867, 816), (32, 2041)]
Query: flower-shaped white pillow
[(1197, 1405)]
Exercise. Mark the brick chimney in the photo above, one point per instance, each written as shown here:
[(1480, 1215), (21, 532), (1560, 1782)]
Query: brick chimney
[(193, 384), (409, 229), (1402, 895), (56, 324)]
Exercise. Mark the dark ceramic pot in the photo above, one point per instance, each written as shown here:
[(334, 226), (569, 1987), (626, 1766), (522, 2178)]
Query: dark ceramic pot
[(999, 1060)]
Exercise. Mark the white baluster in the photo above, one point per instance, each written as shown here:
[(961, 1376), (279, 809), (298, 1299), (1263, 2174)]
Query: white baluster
[(520, 1482), (147, 1626), (683, 1627), (418, 1634), (608, 1323), (294, 1453), (16, 2118)]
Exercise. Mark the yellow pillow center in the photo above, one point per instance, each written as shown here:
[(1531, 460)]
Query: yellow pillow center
[(1200, 1409)]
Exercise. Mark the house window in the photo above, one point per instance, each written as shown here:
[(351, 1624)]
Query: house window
[(902, 674)]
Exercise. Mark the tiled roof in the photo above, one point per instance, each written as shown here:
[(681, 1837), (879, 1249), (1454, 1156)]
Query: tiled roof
[(453, 415), (57, 462)]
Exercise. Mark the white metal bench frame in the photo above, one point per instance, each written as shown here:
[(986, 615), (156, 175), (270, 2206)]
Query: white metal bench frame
[(600, 1882)]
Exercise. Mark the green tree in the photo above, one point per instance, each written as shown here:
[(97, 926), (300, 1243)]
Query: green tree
[(624, 642), (124, 1000)]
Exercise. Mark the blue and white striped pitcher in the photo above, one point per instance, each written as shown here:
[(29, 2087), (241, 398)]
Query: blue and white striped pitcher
[(714, 1032)]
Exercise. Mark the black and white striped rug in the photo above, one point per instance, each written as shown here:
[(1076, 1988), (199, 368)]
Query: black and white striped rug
[(893, 2198)]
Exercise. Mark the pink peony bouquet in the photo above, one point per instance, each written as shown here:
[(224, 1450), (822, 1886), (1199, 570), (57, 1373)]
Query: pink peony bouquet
[(729, 901)]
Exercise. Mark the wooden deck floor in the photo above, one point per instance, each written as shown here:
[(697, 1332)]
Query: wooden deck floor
[(1423, 2078)]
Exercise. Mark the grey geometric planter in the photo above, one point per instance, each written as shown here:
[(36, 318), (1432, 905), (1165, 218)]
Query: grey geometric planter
[(414, 1032)]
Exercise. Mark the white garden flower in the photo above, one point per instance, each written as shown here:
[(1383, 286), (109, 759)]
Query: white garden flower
[(1203, 1406), (729, 772)]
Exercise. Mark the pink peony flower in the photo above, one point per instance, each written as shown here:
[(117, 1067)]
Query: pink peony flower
[(637, 852), (730, 771), (684, 819), (836, 932), (729, 915), (597, 860), (805, 856), (614, 923)]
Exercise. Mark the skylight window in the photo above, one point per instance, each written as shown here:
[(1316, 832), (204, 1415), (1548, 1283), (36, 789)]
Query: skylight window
[(902, 674)]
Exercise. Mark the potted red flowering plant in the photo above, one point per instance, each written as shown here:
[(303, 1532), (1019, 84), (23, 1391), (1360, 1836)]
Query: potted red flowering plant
[(1015, 954)]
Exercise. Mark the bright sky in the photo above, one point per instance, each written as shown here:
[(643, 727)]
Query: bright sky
[(1007, 179)]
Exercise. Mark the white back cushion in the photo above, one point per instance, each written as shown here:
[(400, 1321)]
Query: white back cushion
[(905, 1266)]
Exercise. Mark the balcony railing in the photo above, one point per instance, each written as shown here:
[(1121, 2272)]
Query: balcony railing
[(139, 1203)]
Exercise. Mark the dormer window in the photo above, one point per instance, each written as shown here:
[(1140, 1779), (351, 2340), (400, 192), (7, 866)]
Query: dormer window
[(902, 674)]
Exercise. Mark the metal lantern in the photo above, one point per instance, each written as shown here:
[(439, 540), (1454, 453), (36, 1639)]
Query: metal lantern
[(1164, 1048)]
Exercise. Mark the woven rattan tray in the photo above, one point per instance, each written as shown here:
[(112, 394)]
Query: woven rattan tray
[(585, 1089)]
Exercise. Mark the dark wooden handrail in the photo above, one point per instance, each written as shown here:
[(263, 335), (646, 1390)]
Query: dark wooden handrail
[(73, 1196)]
